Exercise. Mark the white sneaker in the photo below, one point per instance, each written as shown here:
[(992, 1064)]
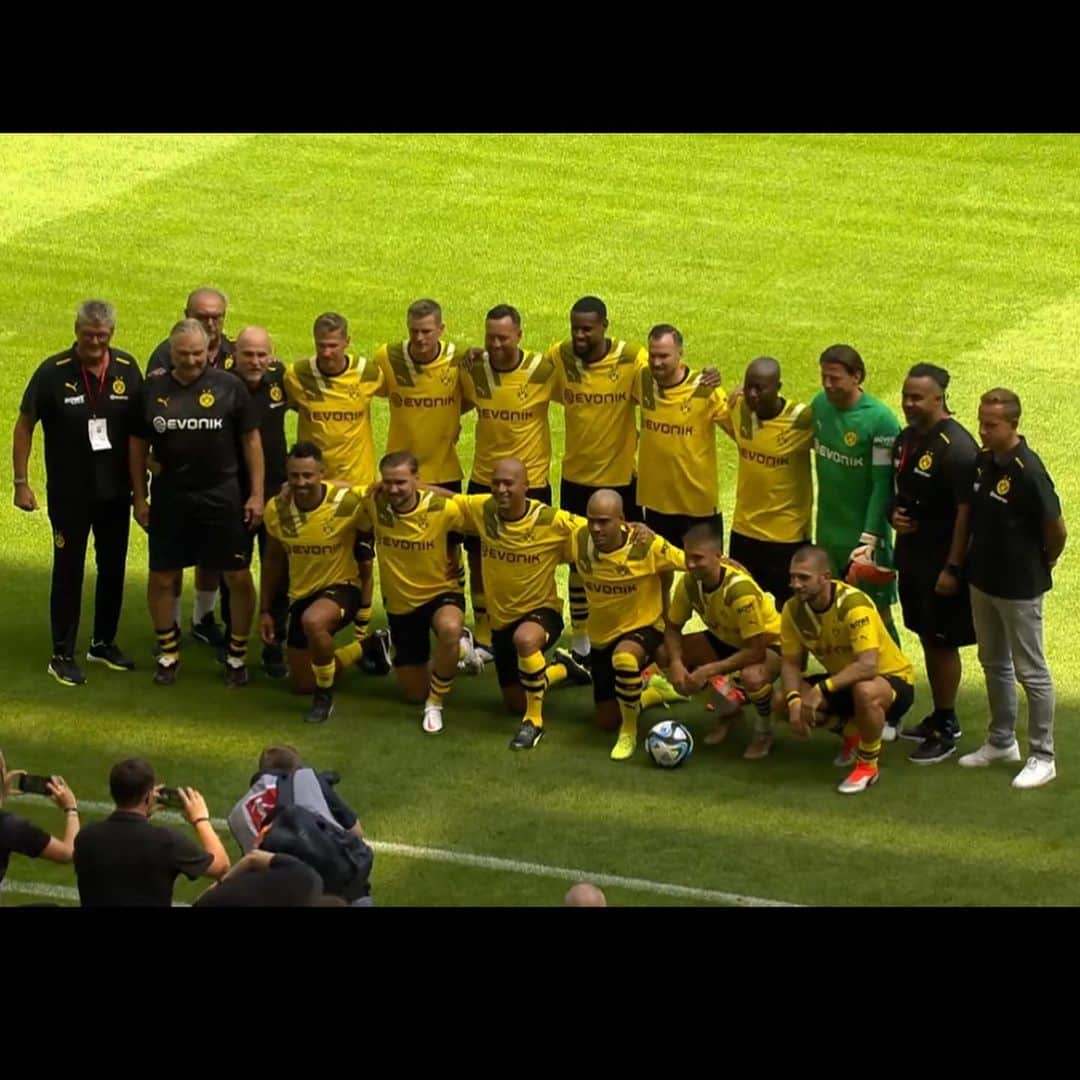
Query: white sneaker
[(890, 733), (987, 753), (432, 719), (1035, 773), (484, 654), (472, 662)]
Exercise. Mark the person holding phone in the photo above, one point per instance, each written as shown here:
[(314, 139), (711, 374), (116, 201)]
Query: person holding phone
[(125, 861), (21, 837)]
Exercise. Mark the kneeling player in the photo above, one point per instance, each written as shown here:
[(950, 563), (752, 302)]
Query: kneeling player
[(742, 639), (626, 574), (868, 681), (313, 531)]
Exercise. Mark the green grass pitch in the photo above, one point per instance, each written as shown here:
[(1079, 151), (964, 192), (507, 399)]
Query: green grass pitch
[(960, 250)]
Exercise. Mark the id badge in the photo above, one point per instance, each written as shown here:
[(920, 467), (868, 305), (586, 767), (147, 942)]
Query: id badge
[(99, 433)]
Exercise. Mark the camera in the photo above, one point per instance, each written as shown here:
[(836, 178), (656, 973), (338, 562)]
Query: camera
[(170, 796), (29, 784)]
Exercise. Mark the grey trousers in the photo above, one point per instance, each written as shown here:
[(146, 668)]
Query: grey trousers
[(1010, 637)]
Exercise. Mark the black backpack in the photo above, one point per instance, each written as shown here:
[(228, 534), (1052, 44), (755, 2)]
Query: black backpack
[(302, 825)]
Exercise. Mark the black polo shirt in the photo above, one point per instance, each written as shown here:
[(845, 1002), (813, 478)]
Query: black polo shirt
[(286, 882), (19, 837), (65, 398), (1010, 503), (161, 357), (195, 430), (270, 407), (125, 861), (933, 473)]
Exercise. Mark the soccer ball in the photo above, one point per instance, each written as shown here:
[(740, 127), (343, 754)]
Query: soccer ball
[(669, 743)]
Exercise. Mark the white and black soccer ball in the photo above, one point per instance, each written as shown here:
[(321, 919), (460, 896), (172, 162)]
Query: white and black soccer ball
[(669, 743)]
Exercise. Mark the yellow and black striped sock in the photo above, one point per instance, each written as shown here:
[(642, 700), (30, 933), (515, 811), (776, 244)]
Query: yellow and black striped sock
[(237, 655), (439, 687), (762, 700), (481, 621), (579, 603), (627, 690), (869, 752), (555, 674), (168, 644), (360, 623), (324, 675), (534, 683), (460, 571)]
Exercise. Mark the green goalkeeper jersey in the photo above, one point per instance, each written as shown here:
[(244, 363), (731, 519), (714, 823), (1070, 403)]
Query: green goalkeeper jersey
[(853, 451)]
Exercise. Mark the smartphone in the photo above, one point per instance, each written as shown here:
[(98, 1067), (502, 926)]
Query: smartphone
[(29, 784), (170, 796)]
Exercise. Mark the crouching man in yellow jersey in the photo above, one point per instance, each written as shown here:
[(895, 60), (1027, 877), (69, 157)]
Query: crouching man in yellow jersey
[(312, 535), (868, 681), (626, 575), (522, 542), (742, 638)]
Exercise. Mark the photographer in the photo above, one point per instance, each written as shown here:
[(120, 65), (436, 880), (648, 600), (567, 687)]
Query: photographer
[(21, 837), (934, 464), (124, 861)]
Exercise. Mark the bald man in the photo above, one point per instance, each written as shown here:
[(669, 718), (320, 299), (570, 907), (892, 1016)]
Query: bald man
[(255, 366), (774, 494), (585, 895), (207, 306), (627, 574)]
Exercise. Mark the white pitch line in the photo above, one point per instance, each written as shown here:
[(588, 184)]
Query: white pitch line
[(514, 866)]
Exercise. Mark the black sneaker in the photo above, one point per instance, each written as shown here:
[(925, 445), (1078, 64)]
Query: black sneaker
[(165, 675), (209, 631), (576, 671), (236, 675), (582, 659), (949, 728), (528, 735), (925, 729), (110, 656), (376, 658), (273, 662), (65, 671), (322, 706), (933, 750)]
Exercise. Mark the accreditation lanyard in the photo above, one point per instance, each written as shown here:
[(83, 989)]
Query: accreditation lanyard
[(93, 398), (97, 427)]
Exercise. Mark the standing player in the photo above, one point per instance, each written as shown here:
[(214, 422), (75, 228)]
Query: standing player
[(198, 421), (774, 494), (312, 536), (83, 398), (677, 472), (934, 460), (522, 542), (868, 682), (595, 378), (853, 442), (511, 388), (264, 377), (741, 638), (332, 391), (207, 306), (626, 582)]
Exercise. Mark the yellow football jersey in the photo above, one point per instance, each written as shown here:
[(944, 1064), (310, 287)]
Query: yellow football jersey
[(335, 415), (519, 558), (601, 433), (413, 550), (677, 463), (319, 542), (623, 586), (737, 610), (774, 493), (848, 626), (511, 415), (425, 408)]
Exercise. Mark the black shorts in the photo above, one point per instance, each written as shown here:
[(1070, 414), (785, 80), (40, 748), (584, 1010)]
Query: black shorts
[(945, 620), (199, 528), (842, 703), (723, 651), (673, 527), (411, 633), (502, 642), (575, 497), (769, 563), (540, 494), (602, 668), (347, 598)]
